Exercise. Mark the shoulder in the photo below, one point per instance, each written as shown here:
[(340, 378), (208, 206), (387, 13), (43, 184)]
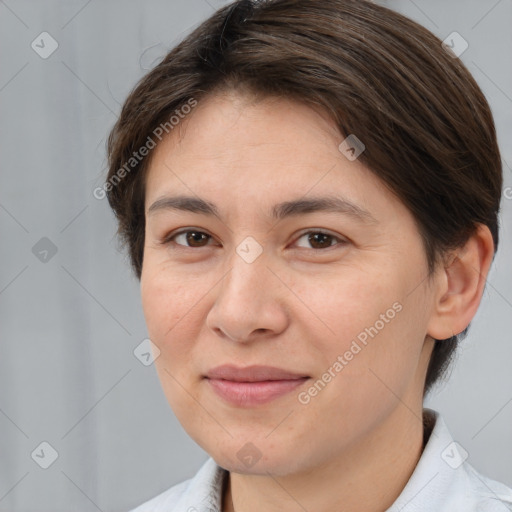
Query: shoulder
[(196, 494), (164, 500), (487, 494)]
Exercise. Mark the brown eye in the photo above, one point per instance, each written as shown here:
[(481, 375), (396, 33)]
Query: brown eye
[(319, 240), (190, 238)]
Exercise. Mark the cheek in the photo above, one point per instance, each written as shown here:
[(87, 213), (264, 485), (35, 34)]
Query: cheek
[(345, 304), (367, 327), (171, 304)]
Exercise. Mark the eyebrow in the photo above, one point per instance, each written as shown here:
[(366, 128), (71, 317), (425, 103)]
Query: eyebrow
[(278, 212)]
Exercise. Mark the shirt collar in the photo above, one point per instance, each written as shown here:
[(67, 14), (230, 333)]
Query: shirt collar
[(443, 480)]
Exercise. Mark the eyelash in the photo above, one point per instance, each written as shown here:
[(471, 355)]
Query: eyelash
[(170, 239)]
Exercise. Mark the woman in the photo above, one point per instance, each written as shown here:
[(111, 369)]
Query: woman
[(309, 194)]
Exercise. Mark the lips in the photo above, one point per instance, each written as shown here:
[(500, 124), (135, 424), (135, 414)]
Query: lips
[(252, 373), (253, 385)]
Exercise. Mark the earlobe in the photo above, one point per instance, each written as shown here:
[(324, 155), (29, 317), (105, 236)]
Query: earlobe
[(460, 285)]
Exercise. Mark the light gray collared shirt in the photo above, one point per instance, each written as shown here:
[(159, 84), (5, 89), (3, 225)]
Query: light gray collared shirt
[(443, 481)]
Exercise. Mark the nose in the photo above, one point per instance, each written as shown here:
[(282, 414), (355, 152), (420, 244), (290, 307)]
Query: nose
[(249, 302)]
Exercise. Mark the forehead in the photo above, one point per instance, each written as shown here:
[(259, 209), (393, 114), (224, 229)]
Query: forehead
[(233, 149), (230, 126)]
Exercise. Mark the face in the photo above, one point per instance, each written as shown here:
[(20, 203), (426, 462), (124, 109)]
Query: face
[(334, 298)]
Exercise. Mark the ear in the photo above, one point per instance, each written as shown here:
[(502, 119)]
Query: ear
[(460, 285)]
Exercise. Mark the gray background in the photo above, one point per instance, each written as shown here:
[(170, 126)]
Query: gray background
[(69, 325)]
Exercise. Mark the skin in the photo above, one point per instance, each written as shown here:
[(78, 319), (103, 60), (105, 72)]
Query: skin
[(298, 306)]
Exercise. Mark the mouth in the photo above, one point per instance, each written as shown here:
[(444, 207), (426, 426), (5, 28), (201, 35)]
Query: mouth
[(253, 385)]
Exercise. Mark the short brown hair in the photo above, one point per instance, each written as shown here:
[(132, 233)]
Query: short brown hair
[(427, 127)]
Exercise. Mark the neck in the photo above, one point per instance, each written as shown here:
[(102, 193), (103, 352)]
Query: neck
[(367, 477)]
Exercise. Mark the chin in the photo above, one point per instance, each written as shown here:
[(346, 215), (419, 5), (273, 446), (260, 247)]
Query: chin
[(255, 459), (263, 467)]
